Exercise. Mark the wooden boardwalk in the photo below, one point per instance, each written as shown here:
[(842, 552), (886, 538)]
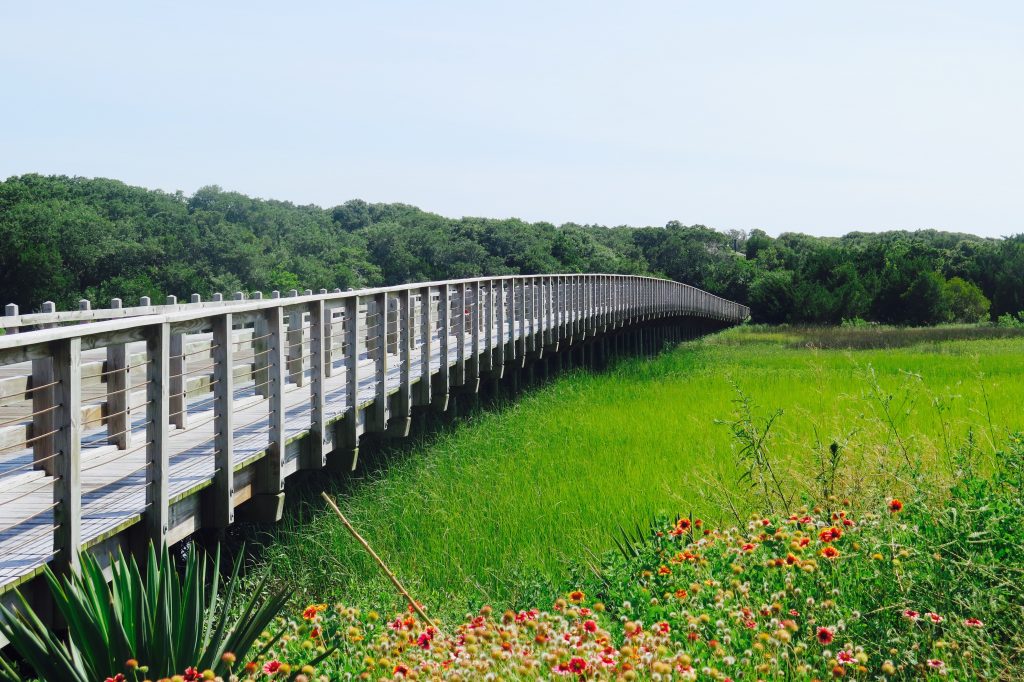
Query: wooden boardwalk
[(126, 425)]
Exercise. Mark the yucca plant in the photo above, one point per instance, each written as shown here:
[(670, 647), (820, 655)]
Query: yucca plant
[(158, 617)]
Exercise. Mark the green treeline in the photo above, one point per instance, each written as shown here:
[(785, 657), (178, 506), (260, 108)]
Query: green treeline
[(63, 239)]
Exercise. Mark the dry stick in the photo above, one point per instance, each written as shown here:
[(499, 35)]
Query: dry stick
[(366, 545)]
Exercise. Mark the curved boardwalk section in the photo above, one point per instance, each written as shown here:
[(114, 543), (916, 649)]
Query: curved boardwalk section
[(123, 425)]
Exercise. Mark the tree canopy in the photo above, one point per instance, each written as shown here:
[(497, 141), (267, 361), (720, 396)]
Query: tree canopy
[(67, 238)]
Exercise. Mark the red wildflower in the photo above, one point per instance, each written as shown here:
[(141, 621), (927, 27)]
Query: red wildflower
[(830, 534), (830, 552), (845, 657), (934, 617), (748, 547), (664, 628), (271, 667), (576, 596), (401, 670), (577, 665), (682, 526), (825, 635), (590, 626), (912, 615), (895, 506), (664, 570), (974, 623), (116, 678), (191, 675)]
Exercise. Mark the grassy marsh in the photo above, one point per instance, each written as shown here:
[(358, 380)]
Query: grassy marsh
[(499, 509)]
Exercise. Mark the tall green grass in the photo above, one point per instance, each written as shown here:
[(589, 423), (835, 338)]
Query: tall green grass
[(501, 508)]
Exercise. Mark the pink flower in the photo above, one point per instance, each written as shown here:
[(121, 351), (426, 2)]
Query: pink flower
[(590, 626), (934, 617), (912, 615), (974, 623), (936, 663), (271, 667), (845, 657)]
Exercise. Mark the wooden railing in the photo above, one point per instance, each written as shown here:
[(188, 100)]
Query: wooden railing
[(155, 422)]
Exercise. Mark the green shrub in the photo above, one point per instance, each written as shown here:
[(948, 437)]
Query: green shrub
[(1011, 321), (155, 618), (855, 323)]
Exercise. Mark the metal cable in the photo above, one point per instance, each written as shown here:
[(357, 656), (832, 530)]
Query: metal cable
[(126, 368), (122, 455), (29, 518), (47, 481), (33, 414), (26, 442)]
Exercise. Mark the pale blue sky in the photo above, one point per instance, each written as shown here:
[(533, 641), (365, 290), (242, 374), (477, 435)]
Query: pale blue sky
[(820, 117)]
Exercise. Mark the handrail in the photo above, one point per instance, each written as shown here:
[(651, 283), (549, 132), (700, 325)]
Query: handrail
[(14, 319)]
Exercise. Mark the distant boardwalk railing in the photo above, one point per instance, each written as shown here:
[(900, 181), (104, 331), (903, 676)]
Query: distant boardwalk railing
[(123, 425)]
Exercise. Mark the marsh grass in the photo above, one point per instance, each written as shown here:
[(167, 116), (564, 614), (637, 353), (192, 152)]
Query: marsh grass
[(880, 337), (501, 508)]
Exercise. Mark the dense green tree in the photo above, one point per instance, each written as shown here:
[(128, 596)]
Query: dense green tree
[(771, 296), (64, 238), (965, 301)]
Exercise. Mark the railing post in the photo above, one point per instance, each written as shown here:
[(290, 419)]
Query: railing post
[(513, 308), (119, 419), (352, 427), (522, 319), (427, 347), (537, 315), (577, 304), (11, 310), (296, 346), (261, 354), (67, 485), (270, 478), (379, 421), (444, 377), (460, 336), (328, 341), (498, 363), (178, 406), (529, 316), (318, 343), (223, 422), (559, 309), (44, 402), (595, 294), (489, 326), (544, 312), (402, 417), (474, 336), (158, 344)]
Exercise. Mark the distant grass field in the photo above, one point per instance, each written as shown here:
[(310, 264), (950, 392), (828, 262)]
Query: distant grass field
[(502, 507)]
